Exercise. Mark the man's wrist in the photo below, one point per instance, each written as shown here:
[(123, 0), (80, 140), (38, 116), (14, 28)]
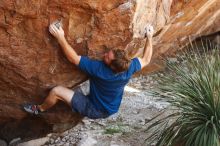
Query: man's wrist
[(61, 39), (149, 39)]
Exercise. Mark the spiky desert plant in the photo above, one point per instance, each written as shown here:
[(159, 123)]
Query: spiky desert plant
[(193, 90)]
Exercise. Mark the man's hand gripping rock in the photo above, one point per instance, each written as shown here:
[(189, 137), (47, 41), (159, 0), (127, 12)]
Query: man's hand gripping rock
[(149, 31)]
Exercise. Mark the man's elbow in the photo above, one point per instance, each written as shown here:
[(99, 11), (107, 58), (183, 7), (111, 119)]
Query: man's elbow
[(145, 63), (74, 61)]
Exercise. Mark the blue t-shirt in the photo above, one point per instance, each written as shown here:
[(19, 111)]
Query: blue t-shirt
[(107, 87)]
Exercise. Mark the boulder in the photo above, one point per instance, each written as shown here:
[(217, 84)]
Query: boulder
[(32, 62)]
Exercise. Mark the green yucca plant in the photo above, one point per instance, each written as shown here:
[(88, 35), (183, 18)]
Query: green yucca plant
[(193, 90)]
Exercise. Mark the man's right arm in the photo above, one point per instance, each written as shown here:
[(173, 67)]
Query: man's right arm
[(84, 63), (70, 53)]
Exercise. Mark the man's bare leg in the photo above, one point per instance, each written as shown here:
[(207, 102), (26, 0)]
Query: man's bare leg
[(56, 94)]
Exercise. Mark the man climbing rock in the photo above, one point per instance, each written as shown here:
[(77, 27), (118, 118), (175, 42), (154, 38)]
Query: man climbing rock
[(107, 79)]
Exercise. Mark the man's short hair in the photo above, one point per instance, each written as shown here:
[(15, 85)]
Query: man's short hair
[(121, 61)]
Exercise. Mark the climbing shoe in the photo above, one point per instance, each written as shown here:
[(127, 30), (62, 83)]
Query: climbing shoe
[(32, 109)]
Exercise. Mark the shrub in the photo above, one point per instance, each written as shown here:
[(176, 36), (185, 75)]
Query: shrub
[(193, 90)]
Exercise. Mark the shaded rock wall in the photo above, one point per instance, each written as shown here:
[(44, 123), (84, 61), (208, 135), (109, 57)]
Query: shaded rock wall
[(31, 61)]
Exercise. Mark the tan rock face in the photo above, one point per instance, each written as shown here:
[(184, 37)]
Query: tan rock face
[(31, 61)]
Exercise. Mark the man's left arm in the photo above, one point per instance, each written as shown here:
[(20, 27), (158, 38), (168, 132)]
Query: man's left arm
[(148, 48)]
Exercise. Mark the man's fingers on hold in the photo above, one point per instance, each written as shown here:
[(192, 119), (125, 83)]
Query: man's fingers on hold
[(52, 31), (55, 28), (51, 25)]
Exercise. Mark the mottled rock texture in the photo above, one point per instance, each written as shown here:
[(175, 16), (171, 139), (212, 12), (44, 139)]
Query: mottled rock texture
[(31, 61)]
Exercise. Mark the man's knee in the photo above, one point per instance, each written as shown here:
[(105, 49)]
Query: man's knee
[(62, 93), (56, 90)]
